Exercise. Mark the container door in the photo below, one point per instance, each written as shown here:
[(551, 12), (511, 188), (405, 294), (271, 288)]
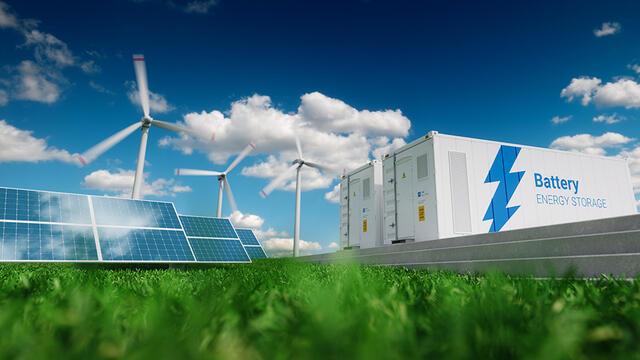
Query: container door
[(404, 198), (355, 209), (344, 213)]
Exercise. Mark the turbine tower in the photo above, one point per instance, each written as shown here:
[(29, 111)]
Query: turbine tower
[(296, 165), (223, 181), (145, 123)]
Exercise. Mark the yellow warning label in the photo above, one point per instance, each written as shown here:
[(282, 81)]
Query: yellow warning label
[(364, 225), (421, 215)]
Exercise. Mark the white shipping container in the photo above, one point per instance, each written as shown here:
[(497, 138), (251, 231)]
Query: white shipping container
[(361, 207), (442, 186)]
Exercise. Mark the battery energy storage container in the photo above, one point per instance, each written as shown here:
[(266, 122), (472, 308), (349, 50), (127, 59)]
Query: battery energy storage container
[(441, 186), (361, 207)]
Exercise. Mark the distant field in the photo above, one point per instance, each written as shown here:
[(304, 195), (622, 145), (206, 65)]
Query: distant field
[(279, 309)]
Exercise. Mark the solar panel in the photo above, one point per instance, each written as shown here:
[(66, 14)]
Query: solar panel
[(29, 205), (46, 242), (255, 252), (208, 227), (134, 213), (126, 244), (247, 237), (219, 250)]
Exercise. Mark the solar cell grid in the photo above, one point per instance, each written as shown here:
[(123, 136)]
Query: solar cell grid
[(208, 227), (218, 250), (247, 237), (29, 241), (29, 205), (255, 252), (121, 244), (135, 213)]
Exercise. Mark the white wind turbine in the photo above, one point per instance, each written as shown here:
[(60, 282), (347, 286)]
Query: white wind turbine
[(223, 181), (144, 123), (296, 165)]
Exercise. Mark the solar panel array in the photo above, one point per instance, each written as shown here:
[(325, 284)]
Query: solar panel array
[(47, 226)]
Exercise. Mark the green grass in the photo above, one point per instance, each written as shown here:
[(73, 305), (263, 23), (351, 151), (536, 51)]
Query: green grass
[(280, 309)]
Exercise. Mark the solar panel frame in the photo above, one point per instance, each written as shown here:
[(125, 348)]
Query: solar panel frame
[(251, 248)]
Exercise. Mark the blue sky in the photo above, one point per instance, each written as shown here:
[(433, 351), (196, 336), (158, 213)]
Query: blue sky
[(361, 76)]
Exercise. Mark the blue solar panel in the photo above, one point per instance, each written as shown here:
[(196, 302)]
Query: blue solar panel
[(29, 241), (255, 252), (208, 227), (247, 237), (29, 205), (135, 213), (218, 250), (122, 244)]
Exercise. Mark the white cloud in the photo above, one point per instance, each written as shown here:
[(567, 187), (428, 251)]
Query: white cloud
[(583, 87), (7, 19), (556, 120), (623, 92), (333, 115), (99, 88), (333, 196), (34, 83), (21, 145), (90, 67), (120, 183), (635, 68), (250, 221), (157, 103), (333, 245), (607, 28), (382, 146), (199, 6), (49, 48), (331, 132), (608, 119), (589, 144), (275, 245)]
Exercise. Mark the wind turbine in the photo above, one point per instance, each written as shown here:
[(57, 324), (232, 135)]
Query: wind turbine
[(145, 123), (223, 181), (296, 165)]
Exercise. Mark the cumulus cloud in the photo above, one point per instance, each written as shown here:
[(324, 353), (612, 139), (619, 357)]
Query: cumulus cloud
[(20, 145), (582, 87), (333, 196), (331, 132), (622, 92), (120, 183), (7, 18), (607, 28), (158, 104), (608, 119), (333, 245), (589, 144), (635, 68), (284, 246), (556, 120), (34, 83), (49, 48), (249, 221), (633, 159)]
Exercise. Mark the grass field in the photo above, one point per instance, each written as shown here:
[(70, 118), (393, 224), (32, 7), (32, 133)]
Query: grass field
[(280, 309)]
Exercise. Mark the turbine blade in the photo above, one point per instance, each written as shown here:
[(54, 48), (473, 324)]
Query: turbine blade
[(248, 149), (232, 200), (317, 166), (194, 172), (278, 181), (179, 129), (141, 79), (106, 144), (298, 147)]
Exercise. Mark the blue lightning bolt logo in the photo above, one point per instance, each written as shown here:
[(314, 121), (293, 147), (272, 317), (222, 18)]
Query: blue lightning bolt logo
[(507, 183)]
